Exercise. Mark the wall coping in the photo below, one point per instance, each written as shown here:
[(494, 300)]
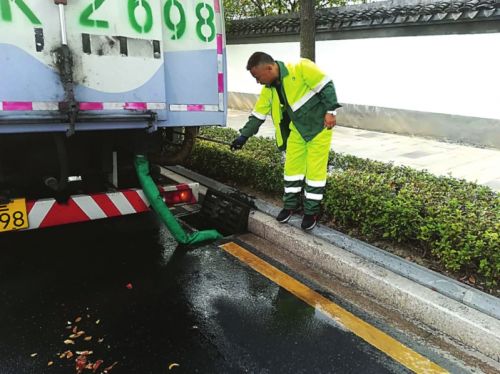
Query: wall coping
[(378, 15)]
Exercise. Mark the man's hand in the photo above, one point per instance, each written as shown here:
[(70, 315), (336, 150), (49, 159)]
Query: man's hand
[(330, 121), (238, 143)]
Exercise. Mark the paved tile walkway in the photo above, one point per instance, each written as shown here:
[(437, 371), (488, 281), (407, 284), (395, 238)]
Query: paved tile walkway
[(465, 162)]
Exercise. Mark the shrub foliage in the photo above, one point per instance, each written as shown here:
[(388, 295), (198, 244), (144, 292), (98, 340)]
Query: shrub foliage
[(458, 222)]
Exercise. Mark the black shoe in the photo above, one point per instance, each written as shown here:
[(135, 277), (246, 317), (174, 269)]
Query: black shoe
[(284, 216), (309, 222)]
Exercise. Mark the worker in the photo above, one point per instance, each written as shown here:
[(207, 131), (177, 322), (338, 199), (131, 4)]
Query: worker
[(302, 102)]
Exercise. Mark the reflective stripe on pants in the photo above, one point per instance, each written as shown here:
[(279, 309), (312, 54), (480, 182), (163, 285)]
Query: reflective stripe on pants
[(309, 160)]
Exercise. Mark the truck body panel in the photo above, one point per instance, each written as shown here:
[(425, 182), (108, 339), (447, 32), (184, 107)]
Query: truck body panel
[(158, 56), (86, 86)]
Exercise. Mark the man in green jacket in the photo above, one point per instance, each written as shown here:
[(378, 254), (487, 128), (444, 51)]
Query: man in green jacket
[(301, 100)]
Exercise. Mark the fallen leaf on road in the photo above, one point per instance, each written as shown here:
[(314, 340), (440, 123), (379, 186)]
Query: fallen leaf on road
[(87, 338), (78, 319), (63, 355), (173, 365), (50, 363), (84, 353), (67, 354), (109, 368), (80, 362), (96, 365), (77, 335), (69, 341)]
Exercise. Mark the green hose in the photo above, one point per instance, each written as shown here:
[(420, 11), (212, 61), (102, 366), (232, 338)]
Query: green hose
[(159, 206)]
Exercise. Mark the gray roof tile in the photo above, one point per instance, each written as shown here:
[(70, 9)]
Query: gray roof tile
[(373, 15)]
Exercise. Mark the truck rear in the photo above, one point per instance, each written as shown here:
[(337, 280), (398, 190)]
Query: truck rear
[(85, 85)]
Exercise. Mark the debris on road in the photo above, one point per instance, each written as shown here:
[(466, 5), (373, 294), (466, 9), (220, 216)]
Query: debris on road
[(77, 335), (78, 338), (81, 363), (173, 365), (96, 365), (108, 369), (68, 354)]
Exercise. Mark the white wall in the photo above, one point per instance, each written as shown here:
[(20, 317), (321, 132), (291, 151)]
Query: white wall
[(451, 74)]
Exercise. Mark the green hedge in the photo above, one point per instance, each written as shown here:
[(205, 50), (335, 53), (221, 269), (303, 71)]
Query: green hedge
[(458, 222)]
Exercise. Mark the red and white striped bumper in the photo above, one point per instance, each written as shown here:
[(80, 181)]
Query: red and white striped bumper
[(82, 208)]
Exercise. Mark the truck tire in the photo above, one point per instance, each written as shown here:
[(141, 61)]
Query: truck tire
[(176, 146)]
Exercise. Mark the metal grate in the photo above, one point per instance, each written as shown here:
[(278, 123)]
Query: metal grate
[(225, 213)]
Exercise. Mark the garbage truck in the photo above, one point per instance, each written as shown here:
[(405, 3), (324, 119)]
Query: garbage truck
[(85, 86)]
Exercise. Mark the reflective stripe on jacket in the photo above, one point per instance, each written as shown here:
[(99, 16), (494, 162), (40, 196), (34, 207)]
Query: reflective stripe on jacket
[(309, 94)]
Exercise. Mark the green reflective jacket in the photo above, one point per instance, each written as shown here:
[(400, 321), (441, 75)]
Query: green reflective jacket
[(309, 95)]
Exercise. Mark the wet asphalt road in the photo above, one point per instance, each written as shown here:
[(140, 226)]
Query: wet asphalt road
[(201, 309)]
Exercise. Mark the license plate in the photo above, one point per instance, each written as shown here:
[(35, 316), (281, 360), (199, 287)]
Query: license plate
[(13, 215)]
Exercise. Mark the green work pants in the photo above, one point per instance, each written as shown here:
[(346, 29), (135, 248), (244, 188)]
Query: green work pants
[(306, 162)]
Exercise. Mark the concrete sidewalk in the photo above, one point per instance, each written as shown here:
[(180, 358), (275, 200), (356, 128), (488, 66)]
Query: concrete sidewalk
[(459, 161)]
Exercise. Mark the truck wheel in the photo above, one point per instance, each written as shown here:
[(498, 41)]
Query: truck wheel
[(176, 145)]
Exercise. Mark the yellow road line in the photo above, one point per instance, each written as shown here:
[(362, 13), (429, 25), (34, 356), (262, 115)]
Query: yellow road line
[(380, 340)]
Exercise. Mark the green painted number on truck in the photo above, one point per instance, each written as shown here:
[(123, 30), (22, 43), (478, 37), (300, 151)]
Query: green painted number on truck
[(180, 27), (6, 11), (202, 21), (148, 24), (87, 12), (205, 20)]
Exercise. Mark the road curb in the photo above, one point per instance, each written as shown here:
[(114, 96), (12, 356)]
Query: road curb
[(446, 286), (467, 325)]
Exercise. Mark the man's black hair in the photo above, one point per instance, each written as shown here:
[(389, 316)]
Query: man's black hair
[(258, 58)]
